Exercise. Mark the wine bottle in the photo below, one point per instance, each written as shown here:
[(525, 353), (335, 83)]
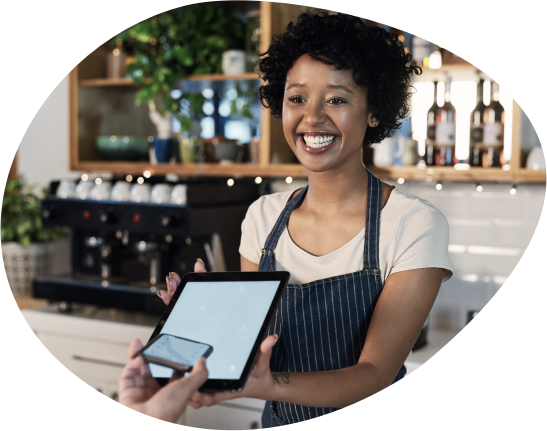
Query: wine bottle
[(476, 129), (493, 136), (431, 127), (445, 132)]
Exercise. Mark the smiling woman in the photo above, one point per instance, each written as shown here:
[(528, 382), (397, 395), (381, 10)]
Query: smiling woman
[(366, 259)]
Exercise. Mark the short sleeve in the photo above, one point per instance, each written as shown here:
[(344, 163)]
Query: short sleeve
[(422, 241), (249, 246)]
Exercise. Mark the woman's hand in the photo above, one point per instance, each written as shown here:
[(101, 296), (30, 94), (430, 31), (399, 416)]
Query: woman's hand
[(260, 383), (140, 391), (173, 281)]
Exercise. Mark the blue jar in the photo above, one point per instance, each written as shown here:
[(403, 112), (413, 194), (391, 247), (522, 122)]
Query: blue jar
[(163, 148)]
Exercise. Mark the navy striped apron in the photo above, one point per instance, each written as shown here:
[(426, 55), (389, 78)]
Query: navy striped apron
[(322, 325)]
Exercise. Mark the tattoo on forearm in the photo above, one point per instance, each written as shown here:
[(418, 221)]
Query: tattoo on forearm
[(281, 378)]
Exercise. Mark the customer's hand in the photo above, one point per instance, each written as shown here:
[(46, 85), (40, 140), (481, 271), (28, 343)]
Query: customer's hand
[(173, 281), (140, 391)]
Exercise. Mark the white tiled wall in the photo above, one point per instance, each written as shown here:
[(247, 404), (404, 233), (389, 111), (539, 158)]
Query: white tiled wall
[(489, 232)]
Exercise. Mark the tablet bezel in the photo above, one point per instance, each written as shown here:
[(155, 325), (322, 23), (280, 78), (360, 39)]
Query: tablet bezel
[(221, 385)]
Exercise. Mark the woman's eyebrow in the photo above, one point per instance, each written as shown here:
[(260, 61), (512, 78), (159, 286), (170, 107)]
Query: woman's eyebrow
[(341, 87), (332, 86)]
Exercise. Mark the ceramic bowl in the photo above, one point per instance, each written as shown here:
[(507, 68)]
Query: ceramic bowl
[(123, 147), (222, 150)]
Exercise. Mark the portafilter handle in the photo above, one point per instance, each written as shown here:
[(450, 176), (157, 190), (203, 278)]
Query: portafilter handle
[(148, 251)]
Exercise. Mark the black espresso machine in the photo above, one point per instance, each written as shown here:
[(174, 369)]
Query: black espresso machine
[(122, 251)]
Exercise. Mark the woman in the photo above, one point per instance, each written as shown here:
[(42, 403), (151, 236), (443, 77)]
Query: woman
[(366, 259)]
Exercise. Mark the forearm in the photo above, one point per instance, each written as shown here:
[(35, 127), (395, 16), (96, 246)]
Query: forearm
[(336, 388)]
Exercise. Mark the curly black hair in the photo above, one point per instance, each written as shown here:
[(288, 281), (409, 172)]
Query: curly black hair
[(377, 58)]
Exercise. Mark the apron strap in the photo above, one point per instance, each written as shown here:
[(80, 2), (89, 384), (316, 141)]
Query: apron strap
[(281, 222), (372, 228)]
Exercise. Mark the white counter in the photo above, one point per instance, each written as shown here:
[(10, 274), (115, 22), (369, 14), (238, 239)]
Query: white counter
[(92, 342)]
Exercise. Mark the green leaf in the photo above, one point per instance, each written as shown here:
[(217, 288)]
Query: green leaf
[(202, 70), (184, 55), (246, 112), (185, 124)]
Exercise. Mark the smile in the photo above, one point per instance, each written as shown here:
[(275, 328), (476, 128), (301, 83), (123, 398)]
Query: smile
[(317, 143)]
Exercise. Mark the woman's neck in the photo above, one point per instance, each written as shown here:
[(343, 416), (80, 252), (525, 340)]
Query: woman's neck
[(334, 191)]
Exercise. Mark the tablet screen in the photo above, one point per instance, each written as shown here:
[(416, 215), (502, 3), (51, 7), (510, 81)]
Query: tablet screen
[(227, 315)]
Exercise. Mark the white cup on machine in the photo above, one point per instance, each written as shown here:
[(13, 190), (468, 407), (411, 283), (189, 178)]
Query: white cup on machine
[(178, 195), (101, 191), (121, 191), (140, 193), (161, 193), (83, 189), (66, 189)]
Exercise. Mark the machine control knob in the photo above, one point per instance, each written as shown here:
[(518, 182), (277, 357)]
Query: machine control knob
[(51, 211), (107, 216), (169, 220)]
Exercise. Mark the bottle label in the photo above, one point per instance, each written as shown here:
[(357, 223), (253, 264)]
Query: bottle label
[(476, 135), (493, 134), (431, 132), (445, 134)]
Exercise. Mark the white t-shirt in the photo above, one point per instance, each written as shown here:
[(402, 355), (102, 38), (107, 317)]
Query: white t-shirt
[(413, 235)]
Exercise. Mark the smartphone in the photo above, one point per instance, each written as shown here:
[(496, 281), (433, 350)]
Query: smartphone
[(175, 352)]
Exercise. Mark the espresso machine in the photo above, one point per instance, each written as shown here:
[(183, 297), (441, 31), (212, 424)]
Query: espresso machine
[(122, 251)]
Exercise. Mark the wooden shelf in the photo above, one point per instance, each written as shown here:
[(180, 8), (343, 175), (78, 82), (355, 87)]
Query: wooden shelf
[(446, 173), (197, 169), (408, 173), (125, 82)]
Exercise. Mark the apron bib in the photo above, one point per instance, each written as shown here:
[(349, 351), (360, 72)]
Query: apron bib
[(322, 325)]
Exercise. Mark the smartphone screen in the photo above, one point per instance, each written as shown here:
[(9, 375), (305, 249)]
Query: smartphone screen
[(177, 350)]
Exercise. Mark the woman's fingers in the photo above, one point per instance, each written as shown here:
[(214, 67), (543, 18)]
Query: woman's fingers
[(165, 297), (264, 354), (175, 277), (173, 280), (199, 266), (171, 284)]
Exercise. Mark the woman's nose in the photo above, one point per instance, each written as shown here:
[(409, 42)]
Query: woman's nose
[(314, 114)]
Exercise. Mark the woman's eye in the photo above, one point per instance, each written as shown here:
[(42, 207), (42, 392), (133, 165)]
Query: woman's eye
[(296, 99), (335, 101)]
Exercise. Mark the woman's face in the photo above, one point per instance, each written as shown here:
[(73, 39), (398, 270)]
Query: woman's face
[(325, 115)]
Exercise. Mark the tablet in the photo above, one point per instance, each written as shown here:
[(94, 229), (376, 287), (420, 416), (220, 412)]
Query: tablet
[(229, 311)]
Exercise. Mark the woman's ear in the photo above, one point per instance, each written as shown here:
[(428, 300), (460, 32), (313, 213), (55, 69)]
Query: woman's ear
[(373, 121)]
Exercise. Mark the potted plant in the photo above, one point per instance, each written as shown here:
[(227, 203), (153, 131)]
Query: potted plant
[(171, 46), (27, 246)]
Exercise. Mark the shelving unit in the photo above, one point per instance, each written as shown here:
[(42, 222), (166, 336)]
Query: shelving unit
[(112, 98)]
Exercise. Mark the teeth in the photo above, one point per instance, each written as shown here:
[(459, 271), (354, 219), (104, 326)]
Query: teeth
[(318, 141)]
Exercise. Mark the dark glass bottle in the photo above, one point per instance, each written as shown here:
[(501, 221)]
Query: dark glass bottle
[(477, 128), (431, 127), (445, 132), (493, 136)]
